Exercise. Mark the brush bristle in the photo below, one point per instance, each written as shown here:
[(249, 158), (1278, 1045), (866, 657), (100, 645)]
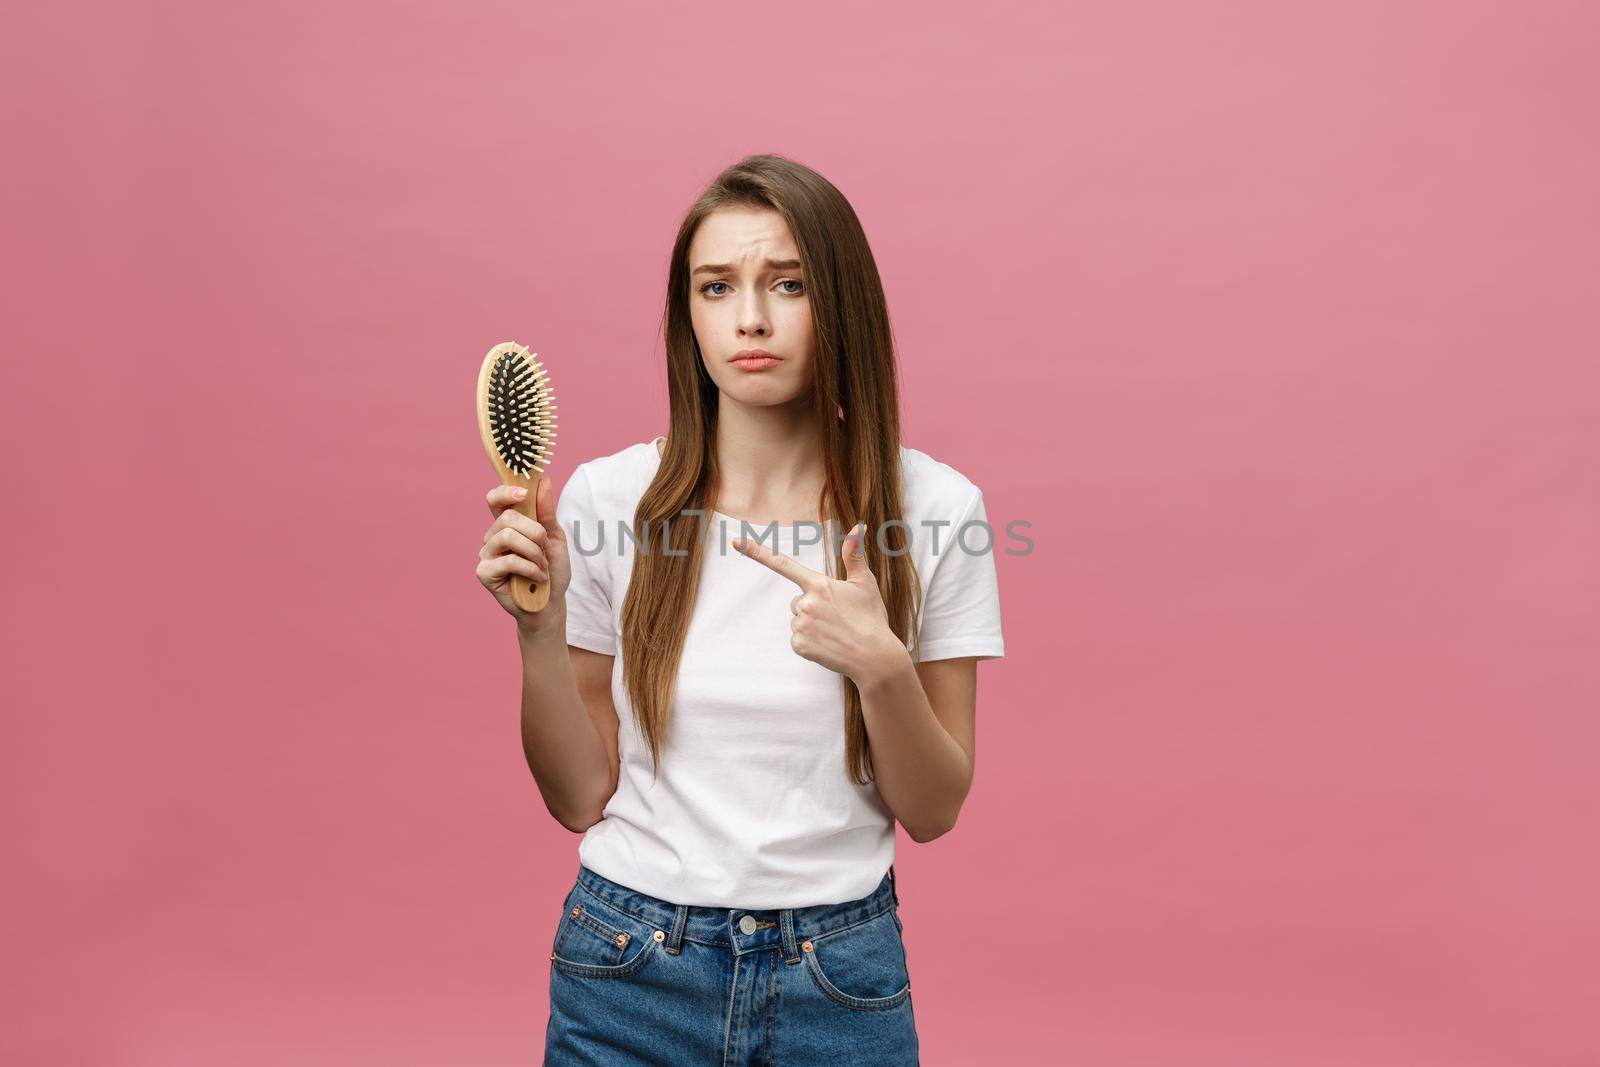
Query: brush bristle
[(521, 412)]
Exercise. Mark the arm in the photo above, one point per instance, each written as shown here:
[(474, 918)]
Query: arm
[(920, 719), (569, 725)]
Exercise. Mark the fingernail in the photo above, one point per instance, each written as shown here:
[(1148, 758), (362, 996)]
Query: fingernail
[(519, 492)]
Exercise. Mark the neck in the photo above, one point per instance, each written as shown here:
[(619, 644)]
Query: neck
[(769, 459)]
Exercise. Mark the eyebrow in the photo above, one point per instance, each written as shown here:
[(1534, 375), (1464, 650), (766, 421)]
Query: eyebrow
[(729, 268)]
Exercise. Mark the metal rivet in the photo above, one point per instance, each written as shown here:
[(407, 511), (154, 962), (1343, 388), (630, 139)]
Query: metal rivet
[(659, 935), (576, 911), (805, 946), (622, 939)]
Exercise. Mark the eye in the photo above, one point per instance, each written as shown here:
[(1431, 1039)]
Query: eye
[(794, 281), (708, 285)]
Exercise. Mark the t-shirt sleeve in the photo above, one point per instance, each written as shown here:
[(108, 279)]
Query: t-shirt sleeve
[(961, 609), (589, 616)]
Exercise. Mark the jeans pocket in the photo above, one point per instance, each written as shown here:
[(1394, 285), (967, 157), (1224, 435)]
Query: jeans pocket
[(595, 940), (862, 967)]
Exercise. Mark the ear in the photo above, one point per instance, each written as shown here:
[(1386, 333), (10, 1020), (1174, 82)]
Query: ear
[(854, 547)]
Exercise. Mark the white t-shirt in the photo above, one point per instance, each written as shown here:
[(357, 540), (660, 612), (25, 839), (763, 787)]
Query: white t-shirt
[(752, 806)]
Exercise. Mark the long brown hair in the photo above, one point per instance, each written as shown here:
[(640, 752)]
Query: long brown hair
[(854, 374)]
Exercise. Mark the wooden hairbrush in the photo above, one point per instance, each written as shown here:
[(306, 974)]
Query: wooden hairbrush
[(517, 421)]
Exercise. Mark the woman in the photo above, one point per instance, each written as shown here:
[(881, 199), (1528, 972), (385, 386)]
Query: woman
[(788, 694)]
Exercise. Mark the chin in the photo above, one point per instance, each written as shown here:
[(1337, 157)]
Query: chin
[(762, 394)]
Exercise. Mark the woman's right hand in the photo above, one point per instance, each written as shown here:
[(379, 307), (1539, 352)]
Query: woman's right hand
[(535, 549)]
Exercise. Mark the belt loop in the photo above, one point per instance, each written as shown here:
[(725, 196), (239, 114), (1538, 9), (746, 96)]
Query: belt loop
[(675, 935), (791, 954)]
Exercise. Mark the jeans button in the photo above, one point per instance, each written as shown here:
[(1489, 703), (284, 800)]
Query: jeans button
[(748, 924)]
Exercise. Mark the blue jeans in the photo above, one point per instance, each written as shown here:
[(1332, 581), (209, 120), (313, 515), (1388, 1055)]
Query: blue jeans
[(635, 979)]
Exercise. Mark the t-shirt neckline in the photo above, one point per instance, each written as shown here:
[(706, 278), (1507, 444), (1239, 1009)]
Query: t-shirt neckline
[(784, 526)]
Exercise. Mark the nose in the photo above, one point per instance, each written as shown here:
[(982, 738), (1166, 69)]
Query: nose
[(752, 316)]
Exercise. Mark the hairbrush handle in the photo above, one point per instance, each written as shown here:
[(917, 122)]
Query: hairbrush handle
[(526, 593)]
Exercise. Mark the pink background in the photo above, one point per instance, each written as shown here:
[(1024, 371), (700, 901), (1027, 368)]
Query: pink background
[(1276, 321)]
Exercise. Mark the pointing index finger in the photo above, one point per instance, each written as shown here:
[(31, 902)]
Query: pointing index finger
[(787, 566)]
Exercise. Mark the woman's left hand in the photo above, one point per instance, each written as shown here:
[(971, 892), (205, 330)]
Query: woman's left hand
[(843, 625)]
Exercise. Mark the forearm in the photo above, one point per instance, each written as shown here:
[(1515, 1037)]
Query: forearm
[(559, 739), (922, 773)]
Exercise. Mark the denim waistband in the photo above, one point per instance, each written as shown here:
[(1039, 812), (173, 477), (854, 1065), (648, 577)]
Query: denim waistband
[(769, 927)]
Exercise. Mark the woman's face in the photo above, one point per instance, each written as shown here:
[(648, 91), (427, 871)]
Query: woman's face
[(746, 291)]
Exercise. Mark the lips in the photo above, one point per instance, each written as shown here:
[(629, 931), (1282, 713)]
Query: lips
[(755, 359)]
